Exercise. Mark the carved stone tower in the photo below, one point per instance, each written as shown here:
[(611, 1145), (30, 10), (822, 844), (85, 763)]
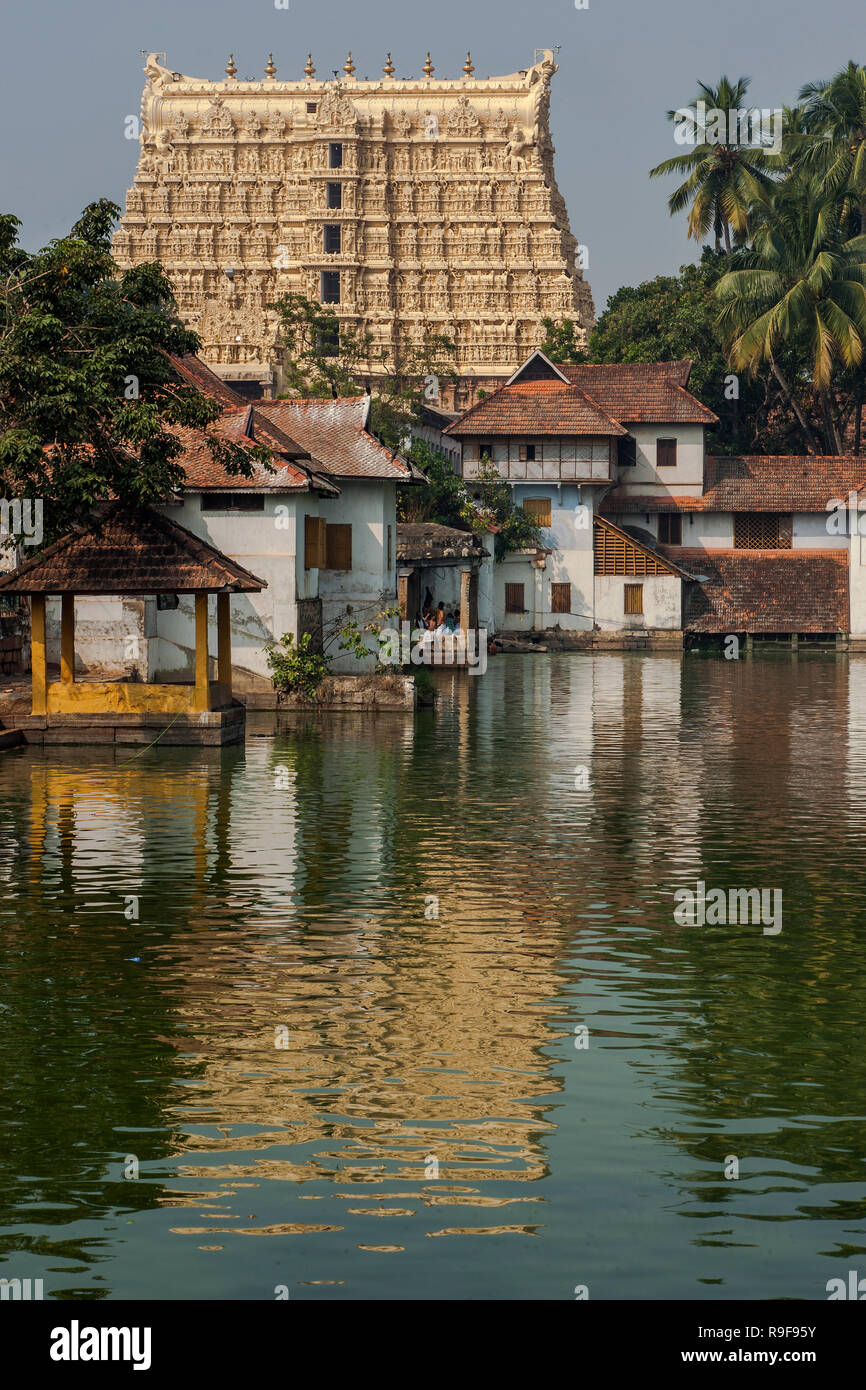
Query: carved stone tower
[(409, 205)]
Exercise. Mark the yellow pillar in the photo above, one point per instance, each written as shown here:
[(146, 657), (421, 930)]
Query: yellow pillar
[(38, 656), (201, 698), (67, 638), (224, 640)]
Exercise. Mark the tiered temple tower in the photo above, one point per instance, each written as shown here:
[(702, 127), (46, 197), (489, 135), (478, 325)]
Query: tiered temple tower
[(409, 205)]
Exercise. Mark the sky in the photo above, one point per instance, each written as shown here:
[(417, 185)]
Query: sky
[(70, 73)]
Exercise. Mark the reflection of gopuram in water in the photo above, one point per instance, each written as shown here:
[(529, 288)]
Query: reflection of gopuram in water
[(280, 898)]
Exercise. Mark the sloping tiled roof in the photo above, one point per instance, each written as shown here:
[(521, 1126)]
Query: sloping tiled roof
[(620, 503), (757, 483), (334, 433), (766, 590), (131, 552), (641, 393), (545, 407), (293, 469), (196, 373), (790, 483), (429, 541)]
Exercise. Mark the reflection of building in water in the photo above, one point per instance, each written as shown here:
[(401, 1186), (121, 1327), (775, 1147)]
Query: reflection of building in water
[(310, 893)]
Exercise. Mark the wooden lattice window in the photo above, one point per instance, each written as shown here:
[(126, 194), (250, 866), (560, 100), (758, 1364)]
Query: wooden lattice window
[(633, 598), (539, 509), (670, 528), (560, 598), (761, 531), (615, 554), (514, 598), (338, 547)]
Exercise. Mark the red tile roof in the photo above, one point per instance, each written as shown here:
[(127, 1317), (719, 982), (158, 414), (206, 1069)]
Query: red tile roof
[(334, 433), (641, 393), (196, 373), (538, 407), (764, 591), (131, 552), (620, 503), (757, 483), (790, 483), (294, 471)]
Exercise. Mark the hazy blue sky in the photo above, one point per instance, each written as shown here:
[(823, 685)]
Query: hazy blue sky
[(70, 72)]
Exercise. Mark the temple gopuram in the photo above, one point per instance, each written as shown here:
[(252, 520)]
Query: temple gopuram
[(412, 206)]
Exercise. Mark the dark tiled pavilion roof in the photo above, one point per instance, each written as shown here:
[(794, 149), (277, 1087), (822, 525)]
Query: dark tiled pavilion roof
[(130, 552), (425, 541)]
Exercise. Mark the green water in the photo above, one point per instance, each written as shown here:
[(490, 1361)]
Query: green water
[(281, 894)]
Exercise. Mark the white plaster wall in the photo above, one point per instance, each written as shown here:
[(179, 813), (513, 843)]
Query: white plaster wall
[(857, 584), (370, 507), (810, 533), (686, 478), (516, 568), (266, 543), (662, 602), (113, 636), (487, 618), (569, 536)]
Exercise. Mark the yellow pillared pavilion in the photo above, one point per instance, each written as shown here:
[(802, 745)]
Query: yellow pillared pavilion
[(132, 552)]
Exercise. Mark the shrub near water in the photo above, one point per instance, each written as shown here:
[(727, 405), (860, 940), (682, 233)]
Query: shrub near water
[(295, 667)]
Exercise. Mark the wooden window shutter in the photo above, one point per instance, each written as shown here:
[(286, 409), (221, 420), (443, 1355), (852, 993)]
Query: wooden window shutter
[(560, 598), (670, 528), (666, 453), (521, 452), (634, 598), (538, 508), (338, 547), (314, 543), (514, 598)]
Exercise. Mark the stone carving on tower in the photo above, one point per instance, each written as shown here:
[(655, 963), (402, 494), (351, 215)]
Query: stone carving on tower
[(414, 205)]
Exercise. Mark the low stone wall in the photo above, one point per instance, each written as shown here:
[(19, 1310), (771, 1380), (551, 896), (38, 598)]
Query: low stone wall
[(556, 640), (383, 692)]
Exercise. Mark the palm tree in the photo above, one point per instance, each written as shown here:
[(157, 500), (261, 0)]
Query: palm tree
[(834, 115), (724, 179), (802, 288)]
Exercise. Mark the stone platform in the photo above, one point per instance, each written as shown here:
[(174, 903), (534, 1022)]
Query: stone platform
[(214, 729)]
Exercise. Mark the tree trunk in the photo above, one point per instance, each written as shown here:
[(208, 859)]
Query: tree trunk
[(727, 229), (830, 424), (808, 434), (858, 415)]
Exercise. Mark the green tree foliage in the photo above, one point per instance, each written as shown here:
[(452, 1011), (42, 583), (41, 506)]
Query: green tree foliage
[(560, 342), (88, 395), (790, 309), (834, 122), (672, 318), (802, 287), (724, 178)]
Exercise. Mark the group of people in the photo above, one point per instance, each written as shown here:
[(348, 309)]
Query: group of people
[(433, 619)]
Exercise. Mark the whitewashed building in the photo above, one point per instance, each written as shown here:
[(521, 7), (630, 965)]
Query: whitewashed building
[(320, 529)]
